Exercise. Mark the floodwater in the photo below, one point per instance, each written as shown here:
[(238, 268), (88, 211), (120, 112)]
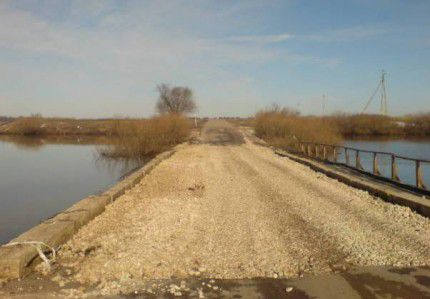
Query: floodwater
[(40, 177), (418, 148)]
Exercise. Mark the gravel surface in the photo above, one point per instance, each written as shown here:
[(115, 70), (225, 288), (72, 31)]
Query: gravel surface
[(236, 210)]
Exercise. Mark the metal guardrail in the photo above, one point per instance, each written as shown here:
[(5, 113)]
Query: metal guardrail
[(330, 153)]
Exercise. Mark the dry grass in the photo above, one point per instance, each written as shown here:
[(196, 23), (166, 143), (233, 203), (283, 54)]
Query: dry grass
[(29, 126), (378, 125), (142, 139), (372, 125), (57, 126), (417, 124), (283, 128)]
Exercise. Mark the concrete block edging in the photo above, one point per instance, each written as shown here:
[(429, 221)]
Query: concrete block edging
[(16, 261)]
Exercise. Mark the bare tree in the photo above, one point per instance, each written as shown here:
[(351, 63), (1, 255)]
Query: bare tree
[(175, 99), (276, 108)]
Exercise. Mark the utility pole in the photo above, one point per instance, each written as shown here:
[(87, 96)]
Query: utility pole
[(383, 109), (323, 104)]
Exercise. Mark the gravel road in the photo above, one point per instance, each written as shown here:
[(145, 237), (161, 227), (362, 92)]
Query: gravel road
[(228, 208)]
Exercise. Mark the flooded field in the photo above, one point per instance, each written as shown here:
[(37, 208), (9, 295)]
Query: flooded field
[(414, 148), (41, 176)]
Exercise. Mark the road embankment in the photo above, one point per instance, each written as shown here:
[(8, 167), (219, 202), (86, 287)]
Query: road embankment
[(17, 257)]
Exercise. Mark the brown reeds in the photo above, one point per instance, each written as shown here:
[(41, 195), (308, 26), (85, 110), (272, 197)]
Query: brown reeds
[(417, 124), (29, 126), (365, 124), (284, 128), (142, 139), (379, 125), (57, 126)]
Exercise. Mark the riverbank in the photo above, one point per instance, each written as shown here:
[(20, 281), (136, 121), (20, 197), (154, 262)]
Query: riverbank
[(41, 126), (57, 126), (355, 125), (35, 142)]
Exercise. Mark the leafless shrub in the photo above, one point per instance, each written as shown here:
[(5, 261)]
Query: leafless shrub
[(380, 125), (29, 126), (283, 127), (142, 139)]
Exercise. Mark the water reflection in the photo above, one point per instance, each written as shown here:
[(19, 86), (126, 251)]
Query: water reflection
[(418, 148), (37, 142), (126, 166), (41, 176)]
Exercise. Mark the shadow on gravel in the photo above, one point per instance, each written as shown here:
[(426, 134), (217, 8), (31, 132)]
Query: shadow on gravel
[(368, 285), (367, 282), (227, 288), (223, 136)]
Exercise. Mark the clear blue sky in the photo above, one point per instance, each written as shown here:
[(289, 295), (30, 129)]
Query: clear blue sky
[(103, 58)]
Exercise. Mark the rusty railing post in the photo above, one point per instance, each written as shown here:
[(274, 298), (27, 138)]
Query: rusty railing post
[(316, 151), (334, 154), (375, 165), (309, 151), (419, 175), (346, 156), (357, 160), (324, 153), (394, 174)]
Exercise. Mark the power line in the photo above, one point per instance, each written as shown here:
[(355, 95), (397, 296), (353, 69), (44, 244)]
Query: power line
[(383, 109)]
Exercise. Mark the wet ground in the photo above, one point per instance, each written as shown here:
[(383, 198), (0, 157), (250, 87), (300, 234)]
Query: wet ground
[(369, 283)]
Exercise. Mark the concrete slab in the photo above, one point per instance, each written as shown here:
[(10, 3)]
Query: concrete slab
[(15, 259)]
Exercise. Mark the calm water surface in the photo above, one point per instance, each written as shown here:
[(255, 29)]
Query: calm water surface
[(39, 178), (414, 148)]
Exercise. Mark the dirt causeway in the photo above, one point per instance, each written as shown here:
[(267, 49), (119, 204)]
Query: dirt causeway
[(226, 208)]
